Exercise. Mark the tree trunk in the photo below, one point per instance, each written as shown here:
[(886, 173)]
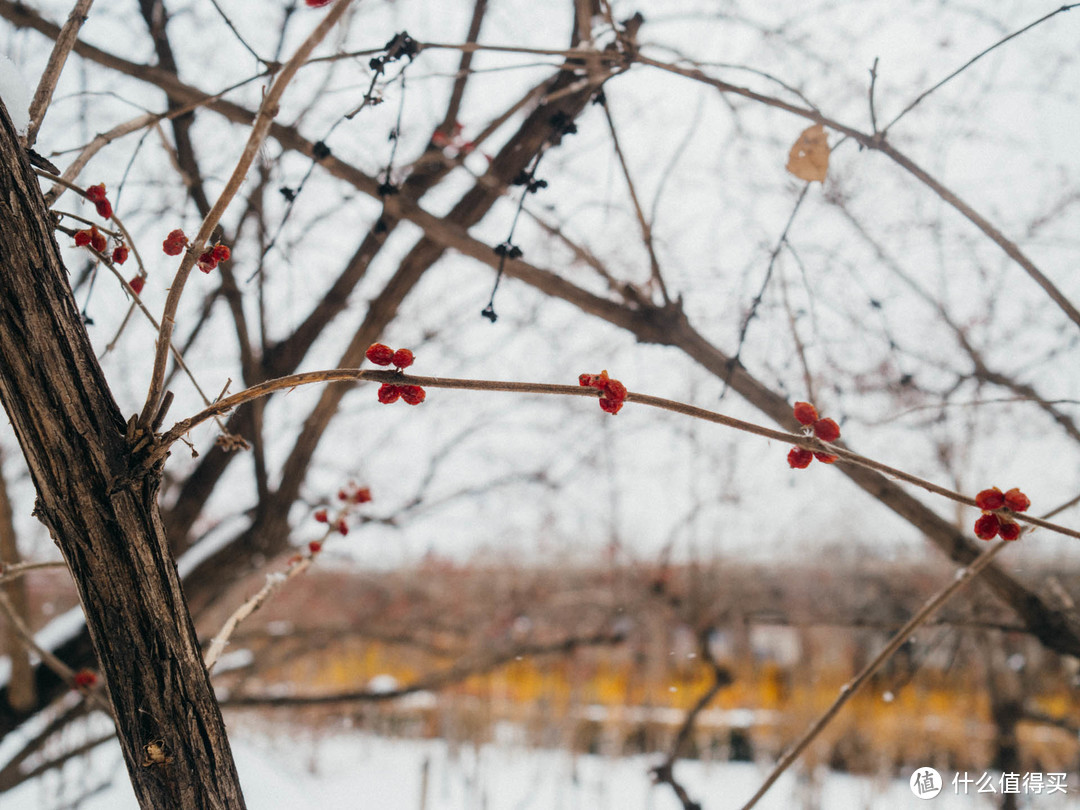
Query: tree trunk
[(100, 505)]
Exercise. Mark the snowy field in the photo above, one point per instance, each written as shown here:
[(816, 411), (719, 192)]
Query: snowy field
[(357, 770)]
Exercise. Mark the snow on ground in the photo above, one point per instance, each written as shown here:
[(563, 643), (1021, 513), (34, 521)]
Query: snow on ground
[(357, 770)]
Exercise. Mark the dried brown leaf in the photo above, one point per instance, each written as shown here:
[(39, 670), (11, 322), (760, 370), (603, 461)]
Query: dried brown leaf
[(809, 157)]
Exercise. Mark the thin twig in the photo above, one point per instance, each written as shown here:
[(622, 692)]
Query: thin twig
[(64, 43), (873, 83), (721, 678), (646, 229), (848, 690), (273, 584), (397, 378), (973, 60), (62, 670), (16, 570), (267, 112)]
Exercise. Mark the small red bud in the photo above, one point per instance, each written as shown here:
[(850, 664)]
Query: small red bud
[(342, 527), (120, 254), (799, 458), (137, 284), (827, 430), (315, 546), (1017, 500), (389, 393), (987, 527), (380, 354), (85, 678), (221, 253), (362, 495), (412, 394), (321, 516), (97, 240), (826, 458), (82, 238), (104, 208), (402, 358), (805, 413), (990, 499), (1009, 530), (174, 243)]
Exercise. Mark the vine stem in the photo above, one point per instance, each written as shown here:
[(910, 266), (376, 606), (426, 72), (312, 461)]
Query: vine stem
[(268, 110), (397, 378)]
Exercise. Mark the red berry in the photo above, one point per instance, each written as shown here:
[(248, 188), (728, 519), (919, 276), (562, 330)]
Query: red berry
[(1017, 500), (805, 413), (82, 238), (827, 430), (1009, 530), (321, 516), (85, 678), (137, 284), (362, 495), (799, 458), (990, 499), (95, 193), (221, 253), (120, 254), (413, 394), (342, 527), (402, 358), (380, 354), (613, 397), (97, 240), (389, 393), (826, 458), (207, 262), (315, 546), (987, 527), (174, 243), (104, 208), (317, 3)]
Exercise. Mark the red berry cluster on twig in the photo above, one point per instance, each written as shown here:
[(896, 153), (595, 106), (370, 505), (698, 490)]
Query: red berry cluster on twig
[(212, 257), (351, 495), (612, 392), (91, 236), (96, 195), (991, 524), (825, 429), (85, 679), (382, 355)]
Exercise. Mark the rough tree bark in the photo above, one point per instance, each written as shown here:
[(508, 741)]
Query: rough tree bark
[(100, 504)]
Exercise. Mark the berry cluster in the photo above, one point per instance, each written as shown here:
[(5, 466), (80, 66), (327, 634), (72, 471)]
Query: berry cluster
[(825, 429), (85, 679), (212, 257), (351, 495), (382, 355), (91, 236), (612, 392), (96, 195), (454, 140), (990, 525)]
